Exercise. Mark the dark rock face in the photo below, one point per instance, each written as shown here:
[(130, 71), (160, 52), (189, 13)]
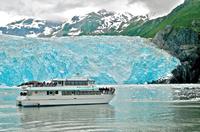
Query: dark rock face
[(185, 45)]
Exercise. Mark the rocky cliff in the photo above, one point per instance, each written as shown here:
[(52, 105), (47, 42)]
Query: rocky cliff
[(184, 44)]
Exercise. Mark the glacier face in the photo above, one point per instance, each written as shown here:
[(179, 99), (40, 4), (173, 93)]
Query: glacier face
[(107, 59)]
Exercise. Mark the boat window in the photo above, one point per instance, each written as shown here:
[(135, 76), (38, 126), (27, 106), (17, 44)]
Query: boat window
[(23, 94), (77, 92), (75, 83), (66, 92), (55, 83), (91, 82), (81, 83), (66, 83), (52, 92), (29, 93), (81, 92)]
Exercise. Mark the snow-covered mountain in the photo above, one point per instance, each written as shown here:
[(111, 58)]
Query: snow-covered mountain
[(31, 28), (101, 22), (94, 23)]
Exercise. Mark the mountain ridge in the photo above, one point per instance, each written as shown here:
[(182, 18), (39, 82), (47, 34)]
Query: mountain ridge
[(30, 27), (105, 22), (185, 15), (94, 23)]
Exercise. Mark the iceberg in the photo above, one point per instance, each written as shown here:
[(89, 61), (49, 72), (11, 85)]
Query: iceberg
[(107, 59)]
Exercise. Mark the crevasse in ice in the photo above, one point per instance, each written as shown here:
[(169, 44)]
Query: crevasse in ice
[(107, 59)]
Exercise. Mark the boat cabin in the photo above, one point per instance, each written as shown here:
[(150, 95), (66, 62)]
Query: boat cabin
[(37, 91), (73, 82), (60, 82)]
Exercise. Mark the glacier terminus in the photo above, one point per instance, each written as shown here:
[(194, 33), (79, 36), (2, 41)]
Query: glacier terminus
[(123, 60)]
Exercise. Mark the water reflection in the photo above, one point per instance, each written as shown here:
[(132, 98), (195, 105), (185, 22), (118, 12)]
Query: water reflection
[(132, 109), (83, 117)]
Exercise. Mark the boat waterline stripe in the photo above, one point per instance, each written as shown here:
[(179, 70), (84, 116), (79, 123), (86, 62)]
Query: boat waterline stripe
[(61, 99)]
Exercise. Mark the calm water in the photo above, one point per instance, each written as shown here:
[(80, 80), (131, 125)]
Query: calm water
[(132, 109)]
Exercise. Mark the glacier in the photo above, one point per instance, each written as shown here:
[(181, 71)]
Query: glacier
[(107, 59)]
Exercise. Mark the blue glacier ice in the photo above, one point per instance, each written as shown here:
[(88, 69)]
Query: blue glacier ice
[(107, 59)]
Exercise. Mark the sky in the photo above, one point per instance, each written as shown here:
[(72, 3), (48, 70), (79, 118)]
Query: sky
[(61, 10)]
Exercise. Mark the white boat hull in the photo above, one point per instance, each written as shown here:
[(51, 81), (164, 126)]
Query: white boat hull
[(64, 100)]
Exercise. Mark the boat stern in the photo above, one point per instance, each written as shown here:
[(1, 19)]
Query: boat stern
[(20, 99)]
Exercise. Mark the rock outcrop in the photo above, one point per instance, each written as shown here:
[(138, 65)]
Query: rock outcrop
[(184, 44)]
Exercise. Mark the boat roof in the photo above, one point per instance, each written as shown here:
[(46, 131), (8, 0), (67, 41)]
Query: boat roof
[(74, 79)]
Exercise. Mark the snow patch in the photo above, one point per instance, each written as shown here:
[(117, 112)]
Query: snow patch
[(47, 31), (74, 32), (33, 35)]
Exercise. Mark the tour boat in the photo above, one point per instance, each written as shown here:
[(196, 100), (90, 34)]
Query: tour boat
[(74, 91)]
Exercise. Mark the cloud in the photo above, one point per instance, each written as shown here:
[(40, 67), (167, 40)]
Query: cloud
[(157, 7), (61, 9)]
